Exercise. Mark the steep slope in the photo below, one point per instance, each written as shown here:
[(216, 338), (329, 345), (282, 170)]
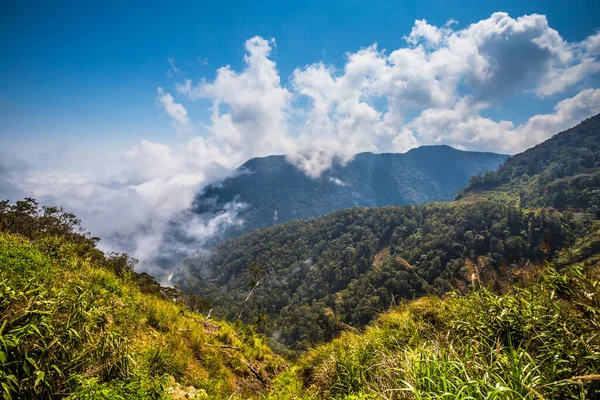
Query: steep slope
[(309, 280), (535, 342), (562, 172), (78, 324), (272, 185)]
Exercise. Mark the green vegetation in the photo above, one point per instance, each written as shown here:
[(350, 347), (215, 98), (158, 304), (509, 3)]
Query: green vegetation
[(339, 271), (495, 295), (81, 325), (540, 341), (562, 172), (76, 324), (343, 269)]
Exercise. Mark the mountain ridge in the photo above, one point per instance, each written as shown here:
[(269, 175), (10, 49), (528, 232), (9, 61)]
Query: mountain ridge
[(276, 191), (563, 172)]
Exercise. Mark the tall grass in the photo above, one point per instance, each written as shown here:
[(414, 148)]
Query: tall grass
[(72, 329), (538, 342)]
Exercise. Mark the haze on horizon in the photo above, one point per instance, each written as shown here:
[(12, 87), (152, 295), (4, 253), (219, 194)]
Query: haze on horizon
[(122, 115)]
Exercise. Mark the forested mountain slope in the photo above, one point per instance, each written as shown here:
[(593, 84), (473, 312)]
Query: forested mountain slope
[(271, 185), (315, 277), (310, 280), (563, 172)]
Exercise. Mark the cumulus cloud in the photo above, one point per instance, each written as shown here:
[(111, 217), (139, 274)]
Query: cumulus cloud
[(462, 127), (567, 113), (422, 31), (444, 76), (249, 109), (591, 45), (560, 79), (434, 89)]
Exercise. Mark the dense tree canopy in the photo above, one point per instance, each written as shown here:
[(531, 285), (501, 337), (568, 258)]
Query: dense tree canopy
[(342, 269), (563, 172)]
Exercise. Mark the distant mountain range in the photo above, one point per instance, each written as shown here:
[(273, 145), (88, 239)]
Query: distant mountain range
[(275, 191)]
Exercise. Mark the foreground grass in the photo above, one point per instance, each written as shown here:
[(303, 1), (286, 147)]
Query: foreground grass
[(71, 329), (540, 342)]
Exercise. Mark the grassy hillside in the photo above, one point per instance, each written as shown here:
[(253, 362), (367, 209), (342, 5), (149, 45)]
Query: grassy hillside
[(540, 341), (73, 325)]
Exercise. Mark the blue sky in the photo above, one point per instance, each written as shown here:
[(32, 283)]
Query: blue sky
[(73, 71)]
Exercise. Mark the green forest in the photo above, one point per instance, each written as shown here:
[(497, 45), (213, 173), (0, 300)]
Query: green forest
[(562, 173), (320, 275)]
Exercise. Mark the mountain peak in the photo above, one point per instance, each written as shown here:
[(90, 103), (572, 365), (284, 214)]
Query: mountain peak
[(559, 167), (428, 173)]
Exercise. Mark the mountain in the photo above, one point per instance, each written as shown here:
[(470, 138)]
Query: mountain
[(316, 278), (80, 324), (495, 294), (275, 191), (562, 172)]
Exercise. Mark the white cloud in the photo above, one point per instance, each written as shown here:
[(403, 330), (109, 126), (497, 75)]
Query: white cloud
[(558, 80), (443, 75), (567, 113), (173, 109), (461, 126), (432, 35), (249, 109), (337, 181), (591, 45), (130, 204)]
